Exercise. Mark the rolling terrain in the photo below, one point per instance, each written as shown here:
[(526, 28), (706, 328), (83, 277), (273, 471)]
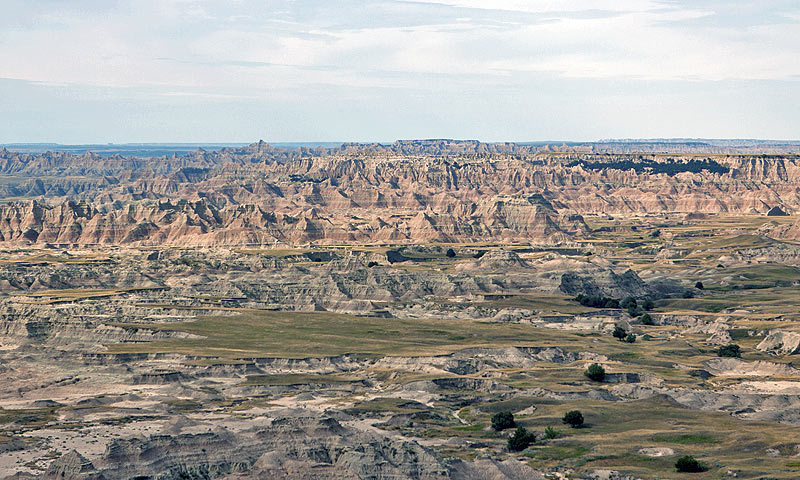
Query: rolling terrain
[(363, 311)]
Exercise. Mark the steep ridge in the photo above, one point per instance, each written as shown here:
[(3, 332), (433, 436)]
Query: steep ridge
[(201, 223), (449, 191)]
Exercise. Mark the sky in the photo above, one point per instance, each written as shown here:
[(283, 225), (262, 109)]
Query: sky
[(98, 71)]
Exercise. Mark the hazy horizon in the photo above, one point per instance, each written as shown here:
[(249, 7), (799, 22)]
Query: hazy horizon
[(386, 142), (182, 147)]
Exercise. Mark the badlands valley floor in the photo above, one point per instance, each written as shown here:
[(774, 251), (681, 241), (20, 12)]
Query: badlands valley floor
[(364, 311)]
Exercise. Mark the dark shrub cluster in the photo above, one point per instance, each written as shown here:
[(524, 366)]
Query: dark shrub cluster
[(521, 439), (623, 335), (670, 167), (732, 350), (597, 301), (503, 420), (595, 372), (689, 464), (630, 304), (573, 418)]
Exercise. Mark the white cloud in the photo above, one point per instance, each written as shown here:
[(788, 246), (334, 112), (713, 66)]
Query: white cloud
[(550, 6), (274, 45)]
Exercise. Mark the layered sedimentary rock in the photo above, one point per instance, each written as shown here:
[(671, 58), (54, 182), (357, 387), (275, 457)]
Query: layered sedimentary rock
[(790, 231), (201, 223), (290, 447), (405, 192)]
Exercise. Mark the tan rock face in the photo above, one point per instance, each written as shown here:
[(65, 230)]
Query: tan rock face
[(789, 231), (403, 193), (201, 223)]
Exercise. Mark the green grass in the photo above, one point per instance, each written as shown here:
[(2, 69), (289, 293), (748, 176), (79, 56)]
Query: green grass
[(32, 417), (514, 404), (701, 304), (183, 405), (257, 333), (616, 431), (275, 252), (77, 294), (39, 258), (298, 379), (741, 241), (387, 405), (557, 452), (470, 428), (684, 438)]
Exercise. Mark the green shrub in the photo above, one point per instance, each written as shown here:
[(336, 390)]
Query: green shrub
[(619, 333), (503, 420), (670, 167), (732, 350), (689, 464), (521, 439), (595, 372), (647, 319), (648, 304), (573, 418), (450, 253), (551, 433), (699, 285), (597, 301), (628, 302), (630, 338), (611, 303)]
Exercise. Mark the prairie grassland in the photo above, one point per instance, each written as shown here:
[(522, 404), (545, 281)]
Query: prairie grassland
[(258, 333)]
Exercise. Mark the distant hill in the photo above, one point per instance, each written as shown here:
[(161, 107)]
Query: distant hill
[(438, 147)]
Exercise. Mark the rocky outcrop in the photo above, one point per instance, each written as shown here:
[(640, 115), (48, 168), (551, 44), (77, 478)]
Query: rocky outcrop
[(349, 281), (486, 468), (788, 231), (445, 191), (736, 367), (292, 447), (780, 342), (72, 466), (608, 283), (203, 223)]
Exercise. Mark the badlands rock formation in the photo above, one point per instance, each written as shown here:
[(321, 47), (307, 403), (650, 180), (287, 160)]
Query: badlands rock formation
[(402, 193), (362, 312)]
